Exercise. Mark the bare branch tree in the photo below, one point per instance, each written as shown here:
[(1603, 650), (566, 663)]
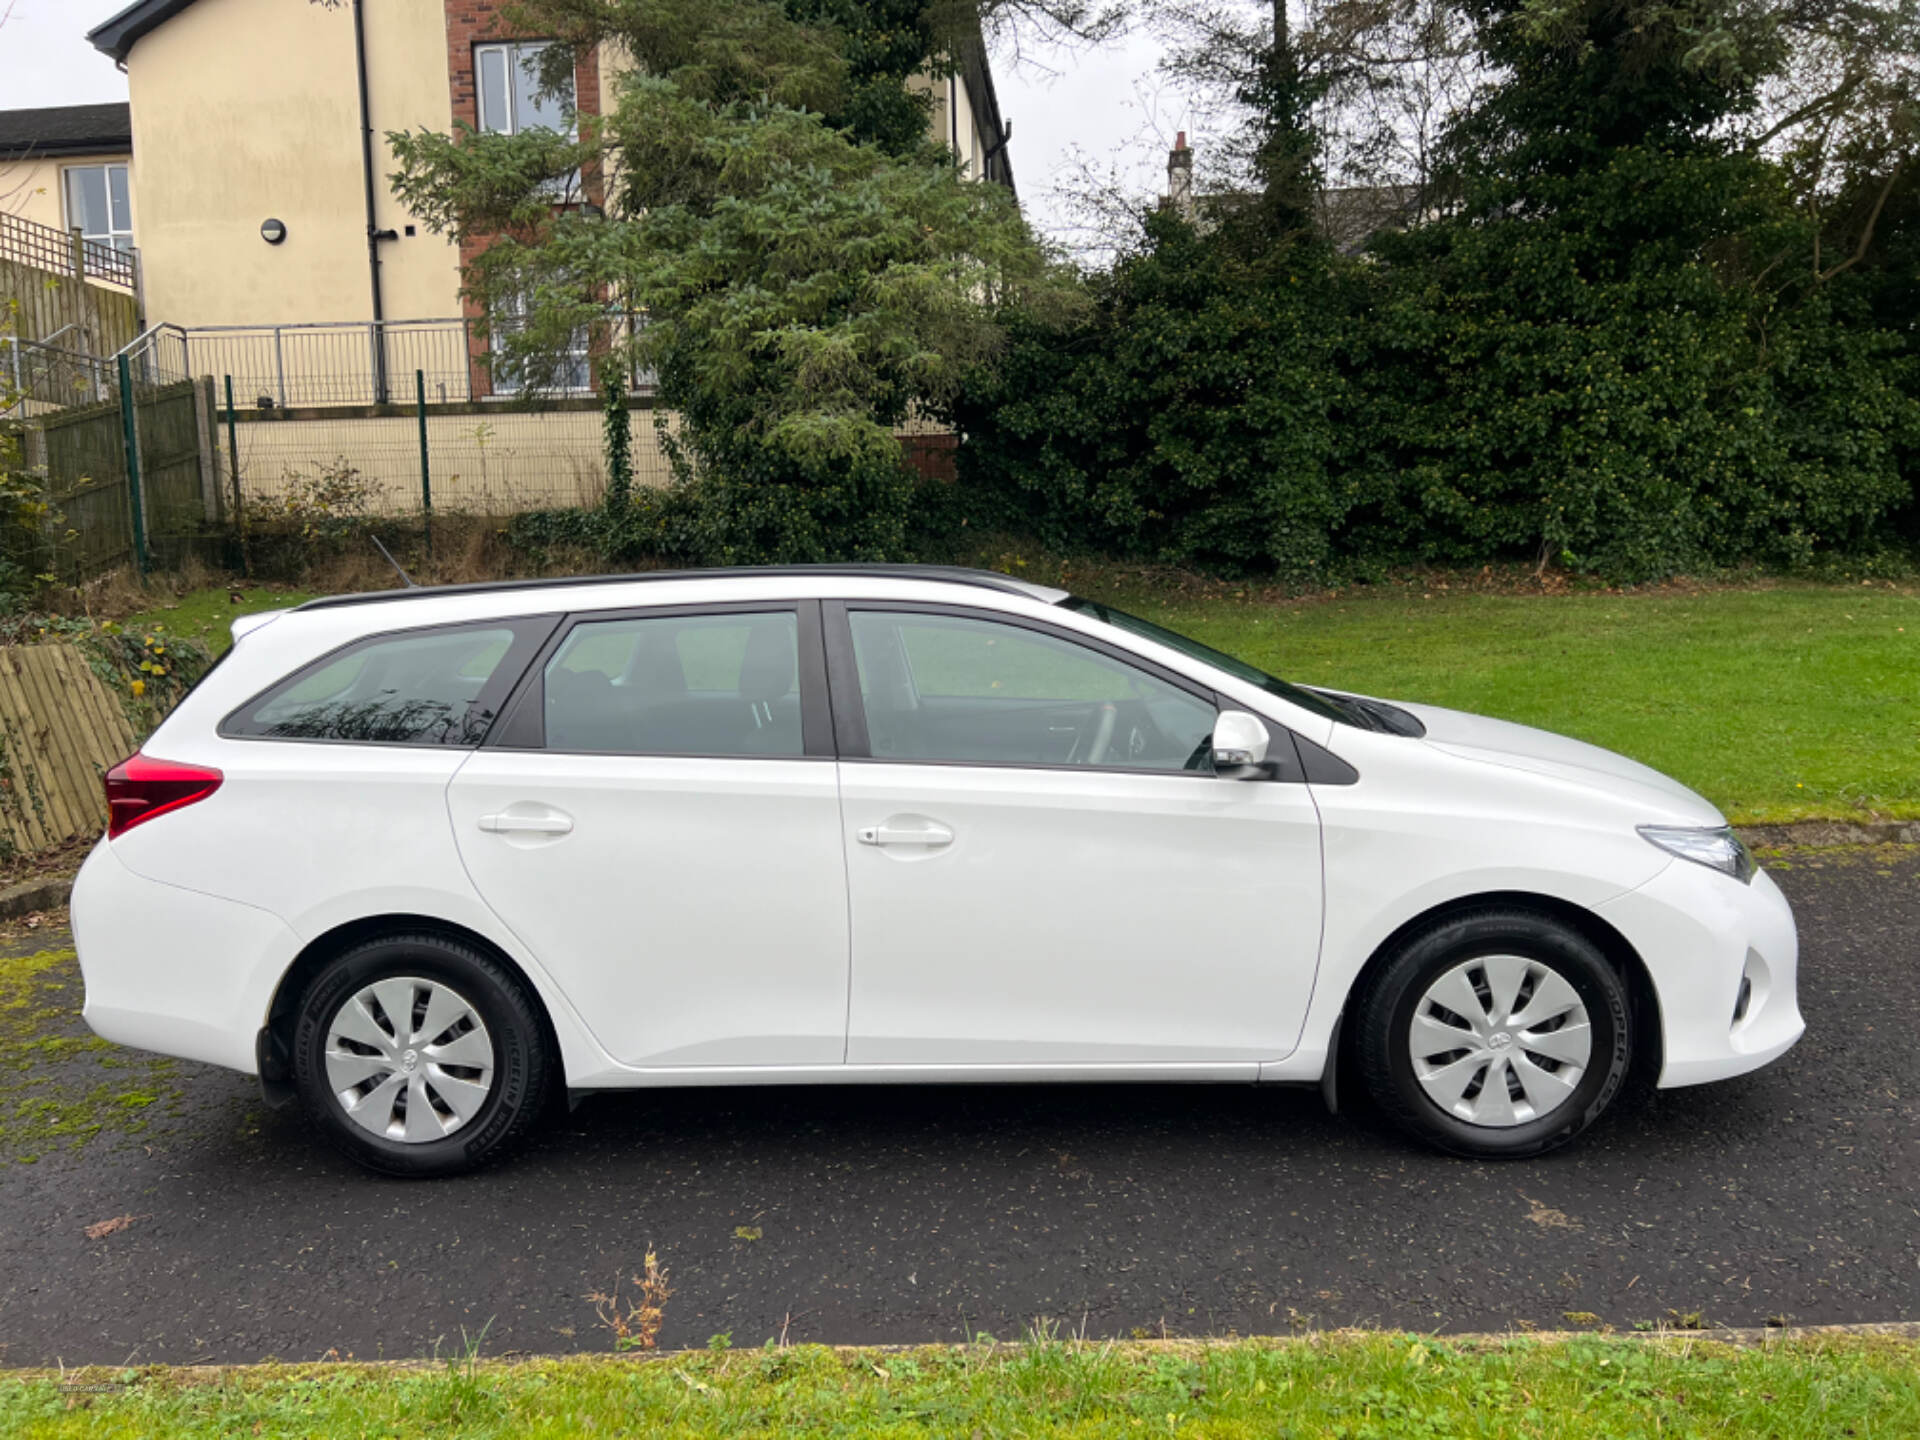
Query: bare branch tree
[(1390, 74)]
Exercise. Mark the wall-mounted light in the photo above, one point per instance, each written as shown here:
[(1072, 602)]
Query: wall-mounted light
[(273, 231)]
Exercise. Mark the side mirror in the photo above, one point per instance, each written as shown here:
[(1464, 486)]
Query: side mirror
[(1239, 742)]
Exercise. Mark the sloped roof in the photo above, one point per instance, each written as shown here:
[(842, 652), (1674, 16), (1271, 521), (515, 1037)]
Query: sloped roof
[(115, 37), (66, 130)]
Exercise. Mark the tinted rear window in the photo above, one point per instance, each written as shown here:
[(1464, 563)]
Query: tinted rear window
[(421, 687)]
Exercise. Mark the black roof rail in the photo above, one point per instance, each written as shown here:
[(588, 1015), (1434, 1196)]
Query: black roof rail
[(951, 574)]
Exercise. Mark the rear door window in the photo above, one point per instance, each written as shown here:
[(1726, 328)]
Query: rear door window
[(440, 686), (719, 685)]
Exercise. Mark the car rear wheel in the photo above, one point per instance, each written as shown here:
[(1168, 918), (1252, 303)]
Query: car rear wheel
[(419, 1055), (1496, 1034)]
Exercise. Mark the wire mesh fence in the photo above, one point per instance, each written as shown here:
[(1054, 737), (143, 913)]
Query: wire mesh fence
[(308, 468)]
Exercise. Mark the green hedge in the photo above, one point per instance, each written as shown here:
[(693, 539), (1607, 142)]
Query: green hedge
[(1611, 343)]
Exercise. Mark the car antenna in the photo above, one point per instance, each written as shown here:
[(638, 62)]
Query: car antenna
[(405, 579)]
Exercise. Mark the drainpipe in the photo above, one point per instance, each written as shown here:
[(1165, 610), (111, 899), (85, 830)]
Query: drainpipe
[(374, 234)]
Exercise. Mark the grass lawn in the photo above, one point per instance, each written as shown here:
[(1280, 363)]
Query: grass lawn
[(1784, 703), (1385, 1386), (208, 615), (1779, 703)]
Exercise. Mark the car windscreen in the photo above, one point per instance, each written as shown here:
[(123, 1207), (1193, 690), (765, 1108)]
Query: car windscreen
[(1240, 670)]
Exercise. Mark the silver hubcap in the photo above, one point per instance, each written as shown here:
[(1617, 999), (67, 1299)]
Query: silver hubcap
[(409, 1059), (1500, 1040)]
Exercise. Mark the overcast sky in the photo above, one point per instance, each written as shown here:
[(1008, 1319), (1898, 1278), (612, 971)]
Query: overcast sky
[(1100, 107)]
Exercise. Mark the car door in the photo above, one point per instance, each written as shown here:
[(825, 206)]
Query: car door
[(1042, 868), (656, 818)]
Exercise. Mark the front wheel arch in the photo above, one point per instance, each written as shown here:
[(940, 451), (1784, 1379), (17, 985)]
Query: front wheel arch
[(1649, 1054)]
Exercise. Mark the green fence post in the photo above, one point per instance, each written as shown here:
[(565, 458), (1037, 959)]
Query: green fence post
[(131, 438), (426, 474), (233, 468)]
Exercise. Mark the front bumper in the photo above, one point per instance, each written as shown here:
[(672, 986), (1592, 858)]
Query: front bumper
[(172, 970), (1701, 935)]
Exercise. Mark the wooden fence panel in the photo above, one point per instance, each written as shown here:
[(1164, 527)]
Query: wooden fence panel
[(60, 730), (170, 467), (92, 319), (84, 452)]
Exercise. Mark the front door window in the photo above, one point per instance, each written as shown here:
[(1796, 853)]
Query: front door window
[(956, 689)]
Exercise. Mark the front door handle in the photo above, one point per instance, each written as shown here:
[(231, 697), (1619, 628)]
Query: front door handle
[(890, 833), (507, 822)]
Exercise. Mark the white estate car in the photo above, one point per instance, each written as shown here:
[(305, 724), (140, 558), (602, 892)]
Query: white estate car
[(426, 858)]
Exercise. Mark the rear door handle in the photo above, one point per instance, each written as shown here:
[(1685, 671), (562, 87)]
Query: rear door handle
[(506, 822), (890, 834)]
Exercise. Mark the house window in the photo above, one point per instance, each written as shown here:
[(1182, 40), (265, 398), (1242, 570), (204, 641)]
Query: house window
[(511, 100), (97, 202), (571, 370)]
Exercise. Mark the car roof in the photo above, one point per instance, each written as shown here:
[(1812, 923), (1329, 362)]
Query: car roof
[(945, 574)]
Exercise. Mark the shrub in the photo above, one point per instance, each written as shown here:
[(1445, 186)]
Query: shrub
[(1190, 421), (328, 503)]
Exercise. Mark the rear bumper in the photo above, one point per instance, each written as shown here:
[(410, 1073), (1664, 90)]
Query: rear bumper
[(1700, 936), (173, 970)]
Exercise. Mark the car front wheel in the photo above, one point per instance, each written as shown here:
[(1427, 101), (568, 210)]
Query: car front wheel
[(1496, 1034), (419, 1055)]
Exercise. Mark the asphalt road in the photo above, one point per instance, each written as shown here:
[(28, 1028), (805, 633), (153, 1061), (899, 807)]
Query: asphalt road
[(937, 1214)]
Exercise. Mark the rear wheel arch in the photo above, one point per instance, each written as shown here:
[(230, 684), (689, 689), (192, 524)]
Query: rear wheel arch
[(275, 1045), (1649, 1033)]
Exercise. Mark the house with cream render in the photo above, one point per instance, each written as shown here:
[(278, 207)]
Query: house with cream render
[(259, 158)]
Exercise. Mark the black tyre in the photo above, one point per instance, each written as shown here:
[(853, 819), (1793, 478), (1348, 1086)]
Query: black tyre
[(1497, 1034), (419, 1055)]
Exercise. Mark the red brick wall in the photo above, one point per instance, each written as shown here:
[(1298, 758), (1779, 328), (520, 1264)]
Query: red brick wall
[(478, 22), (931, 457)]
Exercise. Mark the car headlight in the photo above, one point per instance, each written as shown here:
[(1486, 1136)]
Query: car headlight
[(1717, 848)]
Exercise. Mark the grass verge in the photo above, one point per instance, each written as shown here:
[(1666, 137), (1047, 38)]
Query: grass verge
[(1347, 1385), (207, 615)]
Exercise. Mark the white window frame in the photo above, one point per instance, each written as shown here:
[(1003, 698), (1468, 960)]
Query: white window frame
[(119, 231), (576, 362), (515, 53)]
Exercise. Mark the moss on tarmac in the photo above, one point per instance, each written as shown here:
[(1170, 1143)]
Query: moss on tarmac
[(62, 1086)]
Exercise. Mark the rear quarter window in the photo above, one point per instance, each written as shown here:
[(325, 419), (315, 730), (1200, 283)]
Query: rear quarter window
[(439, 686)]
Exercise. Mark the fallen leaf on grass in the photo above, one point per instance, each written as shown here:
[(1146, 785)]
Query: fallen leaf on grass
[(100, 1229)]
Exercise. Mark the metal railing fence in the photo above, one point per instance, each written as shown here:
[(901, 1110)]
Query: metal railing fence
[(342, 363), (36, 377), (298, 367), (159, 355)]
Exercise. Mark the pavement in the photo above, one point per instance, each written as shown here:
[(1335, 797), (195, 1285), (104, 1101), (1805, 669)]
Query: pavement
[(886, 1215)]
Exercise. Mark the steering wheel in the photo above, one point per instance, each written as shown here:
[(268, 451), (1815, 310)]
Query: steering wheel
[(1102, 735)]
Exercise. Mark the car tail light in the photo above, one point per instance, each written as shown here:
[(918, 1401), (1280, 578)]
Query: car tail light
[(141, 787)]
